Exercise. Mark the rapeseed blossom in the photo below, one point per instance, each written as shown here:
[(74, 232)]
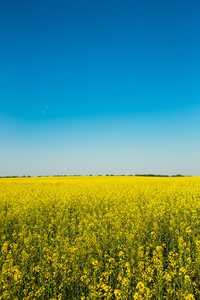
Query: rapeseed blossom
[(100, 238)]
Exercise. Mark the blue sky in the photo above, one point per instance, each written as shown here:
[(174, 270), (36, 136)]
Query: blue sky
[(96, 87)]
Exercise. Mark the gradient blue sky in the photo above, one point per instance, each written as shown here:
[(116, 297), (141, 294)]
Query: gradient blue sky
[(96, 87)]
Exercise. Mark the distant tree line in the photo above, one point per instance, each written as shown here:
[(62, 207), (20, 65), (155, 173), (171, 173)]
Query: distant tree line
[(153, 175), (141, 175), (24, 176)]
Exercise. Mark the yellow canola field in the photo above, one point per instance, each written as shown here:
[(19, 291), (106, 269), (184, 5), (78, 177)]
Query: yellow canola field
[(100, 238)]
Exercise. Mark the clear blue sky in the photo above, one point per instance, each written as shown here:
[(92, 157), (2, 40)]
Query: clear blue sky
[(96, 87)]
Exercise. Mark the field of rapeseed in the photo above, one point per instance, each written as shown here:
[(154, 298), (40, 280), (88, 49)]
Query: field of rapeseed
[(100, 238)]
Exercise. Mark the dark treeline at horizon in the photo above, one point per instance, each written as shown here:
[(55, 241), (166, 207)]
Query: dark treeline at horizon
[(137, 175)]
